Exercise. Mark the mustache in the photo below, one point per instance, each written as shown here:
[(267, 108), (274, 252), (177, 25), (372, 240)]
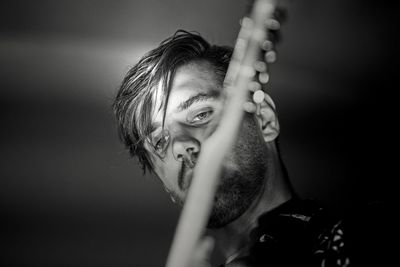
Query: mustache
[(186, 164), (181, 175)]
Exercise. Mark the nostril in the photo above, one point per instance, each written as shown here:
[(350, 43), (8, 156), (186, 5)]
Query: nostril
[(185, 148), (192, 152), (179, 157)]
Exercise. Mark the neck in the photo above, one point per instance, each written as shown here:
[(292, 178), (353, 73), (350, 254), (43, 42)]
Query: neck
[(234, 236)]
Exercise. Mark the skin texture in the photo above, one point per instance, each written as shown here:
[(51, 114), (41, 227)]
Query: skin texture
[(175, 145), (254, 179)]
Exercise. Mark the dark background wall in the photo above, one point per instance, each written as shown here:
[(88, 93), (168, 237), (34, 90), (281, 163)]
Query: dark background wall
[(68, 192)]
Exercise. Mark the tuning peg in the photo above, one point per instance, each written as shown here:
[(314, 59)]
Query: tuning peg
[(270, 56), (260, 66), (263, 77), (258, 98), (267, 45), (272, 24)]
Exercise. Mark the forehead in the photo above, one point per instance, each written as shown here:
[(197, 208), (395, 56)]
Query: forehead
[(189, 79)]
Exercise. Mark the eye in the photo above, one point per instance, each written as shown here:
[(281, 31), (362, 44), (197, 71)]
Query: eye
[(161, 143), (201, 117)]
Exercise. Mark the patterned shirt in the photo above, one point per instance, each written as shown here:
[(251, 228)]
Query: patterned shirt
[(301, 233)]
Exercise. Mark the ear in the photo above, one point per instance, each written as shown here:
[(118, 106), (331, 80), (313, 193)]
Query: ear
[(267, 119)]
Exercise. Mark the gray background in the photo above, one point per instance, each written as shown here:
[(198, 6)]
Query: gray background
[(70, 195)]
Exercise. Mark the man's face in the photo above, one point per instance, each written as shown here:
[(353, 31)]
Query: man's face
[(193, 112)]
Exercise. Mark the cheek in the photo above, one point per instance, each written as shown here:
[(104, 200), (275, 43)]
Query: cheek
[(167, 170)]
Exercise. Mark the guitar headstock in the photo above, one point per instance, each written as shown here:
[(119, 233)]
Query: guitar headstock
[(255, 50)]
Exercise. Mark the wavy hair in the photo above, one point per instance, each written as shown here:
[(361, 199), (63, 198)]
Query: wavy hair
[(134, 102)]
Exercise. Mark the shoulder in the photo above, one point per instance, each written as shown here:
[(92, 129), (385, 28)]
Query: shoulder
[(302, 233), (359, 237)]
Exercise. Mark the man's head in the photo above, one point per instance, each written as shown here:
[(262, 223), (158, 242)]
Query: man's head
[(171, 102)]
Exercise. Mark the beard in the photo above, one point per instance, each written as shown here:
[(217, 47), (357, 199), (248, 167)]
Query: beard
[(235, 193), (242, 179)]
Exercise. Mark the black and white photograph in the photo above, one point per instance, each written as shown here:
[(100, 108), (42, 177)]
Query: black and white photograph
[(213, 133)]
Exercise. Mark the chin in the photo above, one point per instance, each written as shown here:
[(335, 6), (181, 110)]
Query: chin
[(234, 196)]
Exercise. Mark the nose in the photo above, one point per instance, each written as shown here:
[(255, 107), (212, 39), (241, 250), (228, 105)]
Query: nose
[(186, 149)]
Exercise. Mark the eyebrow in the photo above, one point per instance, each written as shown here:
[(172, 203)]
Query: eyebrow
[(196, 98), (187, 103)]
